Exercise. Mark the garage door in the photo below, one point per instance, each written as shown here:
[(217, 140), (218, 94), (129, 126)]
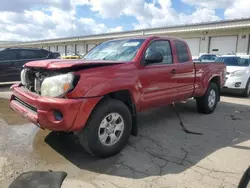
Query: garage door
[(80, 49), (61, 50), (194, 45), (52, 48), (70, 49), (223, 45), (90, 46)]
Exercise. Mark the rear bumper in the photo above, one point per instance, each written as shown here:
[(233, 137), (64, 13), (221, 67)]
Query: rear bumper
[(42, 111)]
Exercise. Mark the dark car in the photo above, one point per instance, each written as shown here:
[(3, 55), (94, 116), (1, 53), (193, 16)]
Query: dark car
[(13, 59)]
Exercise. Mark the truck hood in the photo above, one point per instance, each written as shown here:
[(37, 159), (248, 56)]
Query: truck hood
[(60, 64)]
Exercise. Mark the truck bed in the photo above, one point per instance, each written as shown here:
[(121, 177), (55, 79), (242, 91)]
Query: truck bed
[(204, 71)]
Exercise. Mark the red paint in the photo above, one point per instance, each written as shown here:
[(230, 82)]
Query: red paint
[(32, 117), (45, 107), (150, 86), (58, 63)]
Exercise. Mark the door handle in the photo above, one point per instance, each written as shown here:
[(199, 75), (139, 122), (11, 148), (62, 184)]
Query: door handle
[(173, 71)]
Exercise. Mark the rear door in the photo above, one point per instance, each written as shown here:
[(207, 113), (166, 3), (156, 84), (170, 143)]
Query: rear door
[(158, 80), (185, 71), (8, 58)]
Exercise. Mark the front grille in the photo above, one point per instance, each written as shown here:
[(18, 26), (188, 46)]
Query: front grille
[(25, 104)]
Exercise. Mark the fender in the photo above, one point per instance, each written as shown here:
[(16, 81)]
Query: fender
[(114, 85), (203, 78)]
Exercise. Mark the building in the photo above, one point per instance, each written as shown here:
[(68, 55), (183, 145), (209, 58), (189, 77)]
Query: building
[(219, 37), (7, 42)]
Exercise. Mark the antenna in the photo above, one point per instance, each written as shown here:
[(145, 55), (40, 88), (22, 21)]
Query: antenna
[(234, 54)]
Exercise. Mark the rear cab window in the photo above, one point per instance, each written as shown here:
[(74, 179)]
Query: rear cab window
[(182, 51)]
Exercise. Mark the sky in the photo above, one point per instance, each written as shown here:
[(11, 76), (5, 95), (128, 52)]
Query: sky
[(26, 20)]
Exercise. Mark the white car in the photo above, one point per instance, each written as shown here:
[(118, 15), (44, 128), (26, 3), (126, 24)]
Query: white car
[(238, 74)]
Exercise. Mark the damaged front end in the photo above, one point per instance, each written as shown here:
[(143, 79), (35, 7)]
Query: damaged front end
[(48, 82), (56, 78)]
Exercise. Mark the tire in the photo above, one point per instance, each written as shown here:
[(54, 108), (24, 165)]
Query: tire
[(203, 104), (90, 136), (246, 92)]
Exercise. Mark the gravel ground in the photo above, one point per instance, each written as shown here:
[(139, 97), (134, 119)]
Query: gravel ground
[(161, 156)]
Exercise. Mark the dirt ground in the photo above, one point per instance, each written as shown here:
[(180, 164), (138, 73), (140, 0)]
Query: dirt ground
[(161, 156)]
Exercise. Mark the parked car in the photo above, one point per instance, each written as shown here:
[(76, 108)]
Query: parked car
[(56, 55), (206, 58), (71, 57), (238, 74), (98, 97), (13, 59)]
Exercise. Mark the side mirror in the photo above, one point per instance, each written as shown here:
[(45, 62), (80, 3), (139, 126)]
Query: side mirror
[(154, 57)]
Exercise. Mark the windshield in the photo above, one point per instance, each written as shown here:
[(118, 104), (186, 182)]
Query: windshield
[(207, 57), (117, 50), (234, 61)]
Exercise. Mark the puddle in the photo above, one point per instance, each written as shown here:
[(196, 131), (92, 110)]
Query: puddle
[(8, 115), (44, 150), (64, 148)]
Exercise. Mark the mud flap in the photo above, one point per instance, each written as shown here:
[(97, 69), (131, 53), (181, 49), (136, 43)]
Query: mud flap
[(134, 130), (39, 179)]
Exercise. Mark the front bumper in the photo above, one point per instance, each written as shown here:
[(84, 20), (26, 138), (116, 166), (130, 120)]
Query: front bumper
[(236, 83), (41, 110)]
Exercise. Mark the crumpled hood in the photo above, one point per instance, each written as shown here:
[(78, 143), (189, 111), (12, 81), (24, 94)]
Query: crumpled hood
[(62, 63)]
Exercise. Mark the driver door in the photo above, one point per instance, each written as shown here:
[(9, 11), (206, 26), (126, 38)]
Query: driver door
[(158, 80)]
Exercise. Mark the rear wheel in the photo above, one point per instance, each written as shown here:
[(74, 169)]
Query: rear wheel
[(246, 92), (108, 129), (207, 103)]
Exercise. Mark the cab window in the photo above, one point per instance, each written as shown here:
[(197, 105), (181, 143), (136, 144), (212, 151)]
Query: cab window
[(182, 51), (164, 48)]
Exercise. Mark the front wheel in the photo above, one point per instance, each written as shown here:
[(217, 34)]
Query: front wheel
[(108, 129), (246, 92), (207, 103)]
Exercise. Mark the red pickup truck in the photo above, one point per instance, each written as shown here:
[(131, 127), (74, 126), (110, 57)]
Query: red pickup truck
[(98, 97)]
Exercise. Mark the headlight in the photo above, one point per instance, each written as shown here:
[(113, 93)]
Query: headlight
[(23, 75), (26, 77), (57, 86), (238, 73)]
